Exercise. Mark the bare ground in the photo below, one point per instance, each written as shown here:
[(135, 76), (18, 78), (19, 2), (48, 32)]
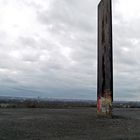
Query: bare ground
[(68, 124)]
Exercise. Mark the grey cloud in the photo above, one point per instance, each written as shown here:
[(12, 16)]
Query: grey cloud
[(70, 14), (40, 61), (59, 59), (126, 65)]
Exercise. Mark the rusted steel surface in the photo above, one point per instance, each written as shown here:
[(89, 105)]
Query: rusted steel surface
[(105, 62)]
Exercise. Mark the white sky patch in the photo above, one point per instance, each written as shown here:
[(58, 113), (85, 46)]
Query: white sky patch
[(20, 18), (128, 9), (15, 54), (8, 71), (66, 52), (124, 49), (45, 56), (15, 19), (40, 4), (135, 41)]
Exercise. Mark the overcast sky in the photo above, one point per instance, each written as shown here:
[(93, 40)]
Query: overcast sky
[(48, 48)]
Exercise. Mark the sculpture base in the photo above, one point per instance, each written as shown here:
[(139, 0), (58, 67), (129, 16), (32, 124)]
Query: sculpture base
[(104, 106)]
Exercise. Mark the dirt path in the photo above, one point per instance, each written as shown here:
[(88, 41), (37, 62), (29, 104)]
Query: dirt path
[(68, 124)]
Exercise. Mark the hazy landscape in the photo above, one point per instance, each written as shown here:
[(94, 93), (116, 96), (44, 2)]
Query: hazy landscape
[(22, 102)]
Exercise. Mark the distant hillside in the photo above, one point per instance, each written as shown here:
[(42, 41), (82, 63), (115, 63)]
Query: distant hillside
[(20, 102)]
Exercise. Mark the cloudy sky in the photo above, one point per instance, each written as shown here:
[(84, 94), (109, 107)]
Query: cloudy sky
[(48, 48)]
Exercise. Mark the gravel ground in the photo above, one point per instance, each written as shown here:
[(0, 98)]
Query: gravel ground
[(68, 124)]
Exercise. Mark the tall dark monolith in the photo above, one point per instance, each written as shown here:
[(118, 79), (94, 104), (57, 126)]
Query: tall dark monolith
[(105, 59)]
